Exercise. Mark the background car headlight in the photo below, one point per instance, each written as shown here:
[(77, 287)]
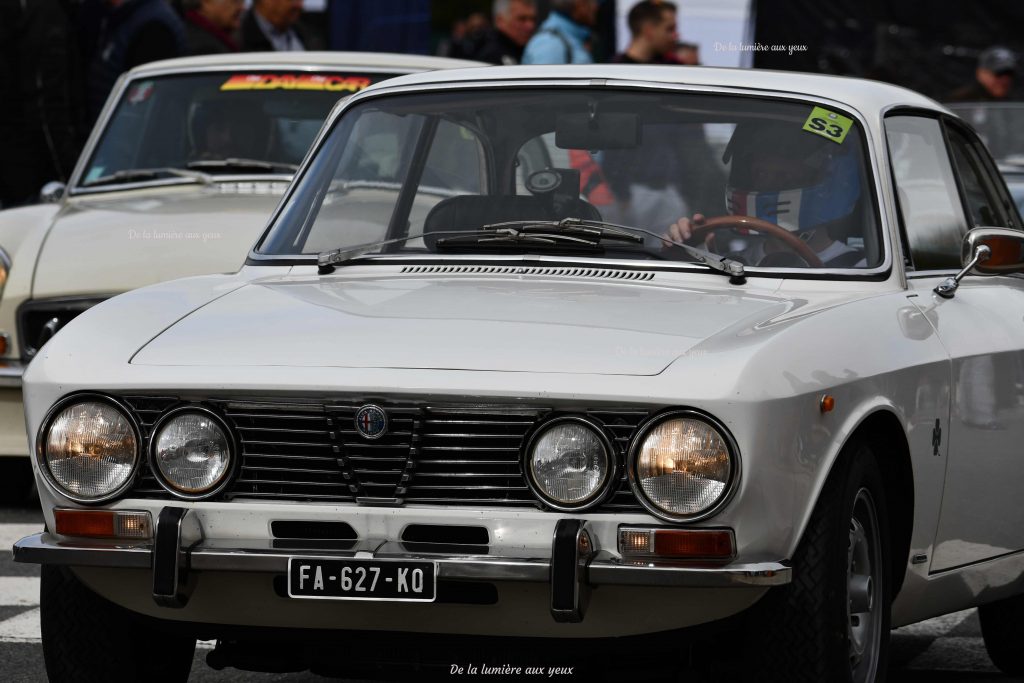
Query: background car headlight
[(683, 467), (191, 452), (569, 463), (91, 450)]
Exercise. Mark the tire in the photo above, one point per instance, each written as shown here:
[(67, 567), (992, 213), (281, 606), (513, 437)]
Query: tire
[(15, 480), (831, 623), (87, 638), (1002, 627)]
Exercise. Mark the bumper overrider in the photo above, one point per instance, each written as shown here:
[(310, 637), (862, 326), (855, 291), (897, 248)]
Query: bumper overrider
[(571, 565)]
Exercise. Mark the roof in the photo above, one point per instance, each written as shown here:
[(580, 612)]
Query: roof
[(379, 60), (862, 94)]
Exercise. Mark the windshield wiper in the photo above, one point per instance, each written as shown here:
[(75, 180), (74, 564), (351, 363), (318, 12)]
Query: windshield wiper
[(142, 174), (494, 237), (235, 164), (730, 267), (568, 231)]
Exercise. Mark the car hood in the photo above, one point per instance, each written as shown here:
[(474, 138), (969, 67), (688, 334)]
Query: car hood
[(502, 324), (125, 240)]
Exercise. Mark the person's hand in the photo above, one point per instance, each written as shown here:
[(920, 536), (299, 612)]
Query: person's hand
[(682, 229)]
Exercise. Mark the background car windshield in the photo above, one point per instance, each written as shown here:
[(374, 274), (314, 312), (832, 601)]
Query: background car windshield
[(413, 165), (172, 121)]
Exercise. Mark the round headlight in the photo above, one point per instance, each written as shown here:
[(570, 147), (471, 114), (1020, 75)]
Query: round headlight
[(682, 468), (90, 450), (570, 464), (191, 452)]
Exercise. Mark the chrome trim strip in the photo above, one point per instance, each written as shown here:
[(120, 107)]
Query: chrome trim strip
[(11, 372), (531, 565)]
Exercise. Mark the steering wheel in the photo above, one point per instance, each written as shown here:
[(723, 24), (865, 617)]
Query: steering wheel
[(758, 225)]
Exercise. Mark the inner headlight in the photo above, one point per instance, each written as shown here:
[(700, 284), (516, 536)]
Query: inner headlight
[(569, 464), (90, 450), (683, 467), (191, 452)]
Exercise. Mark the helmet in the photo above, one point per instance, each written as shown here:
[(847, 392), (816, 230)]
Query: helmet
[(791, 177)]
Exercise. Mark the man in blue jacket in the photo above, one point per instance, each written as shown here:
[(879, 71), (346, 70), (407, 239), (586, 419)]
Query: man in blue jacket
[(563, 37)]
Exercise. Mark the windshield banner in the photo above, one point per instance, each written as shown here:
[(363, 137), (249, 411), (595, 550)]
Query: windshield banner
[(318, 82)]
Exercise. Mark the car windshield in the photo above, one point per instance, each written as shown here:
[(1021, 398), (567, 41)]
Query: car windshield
[(220, 122), (785, 181)]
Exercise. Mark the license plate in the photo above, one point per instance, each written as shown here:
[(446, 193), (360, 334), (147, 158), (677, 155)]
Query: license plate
[(331, 579)]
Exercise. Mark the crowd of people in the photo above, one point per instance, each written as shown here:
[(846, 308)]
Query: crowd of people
[(566, 36)]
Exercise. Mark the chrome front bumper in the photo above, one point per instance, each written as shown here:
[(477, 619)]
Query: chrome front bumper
[(528, 565), (570, 566), (11, 372)]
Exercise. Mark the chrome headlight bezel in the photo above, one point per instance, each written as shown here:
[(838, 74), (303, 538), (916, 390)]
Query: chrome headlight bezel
[(607, 486), (44, 429), (233, 451), (637, 443)]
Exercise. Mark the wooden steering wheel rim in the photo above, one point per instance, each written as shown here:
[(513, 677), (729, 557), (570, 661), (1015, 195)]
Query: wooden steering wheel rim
[(758, 225)]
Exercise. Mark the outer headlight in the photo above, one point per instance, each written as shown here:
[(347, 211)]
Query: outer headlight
[(90, 450), (570, 464), (191, 452), (682, 467)]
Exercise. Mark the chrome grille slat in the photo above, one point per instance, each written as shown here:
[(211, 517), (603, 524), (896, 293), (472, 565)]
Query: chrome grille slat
[(439, 454)]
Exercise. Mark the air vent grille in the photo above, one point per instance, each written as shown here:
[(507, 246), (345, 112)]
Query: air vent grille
[(531, 271)]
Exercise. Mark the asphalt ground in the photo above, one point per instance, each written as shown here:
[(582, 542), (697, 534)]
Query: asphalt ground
[(947, 649)]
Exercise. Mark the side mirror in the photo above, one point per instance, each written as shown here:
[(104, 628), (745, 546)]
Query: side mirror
[(987, 251), (52, 192), (1006, 249)]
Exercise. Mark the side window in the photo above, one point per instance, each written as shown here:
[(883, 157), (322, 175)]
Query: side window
[(982, 198), (929, 200), (456, 165)]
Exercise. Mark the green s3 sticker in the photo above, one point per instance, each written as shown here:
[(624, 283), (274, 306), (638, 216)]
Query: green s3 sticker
[(828, 124)]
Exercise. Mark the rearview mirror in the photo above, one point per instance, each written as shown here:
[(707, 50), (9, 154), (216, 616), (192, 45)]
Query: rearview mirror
[(1006, 251), (597, 131)]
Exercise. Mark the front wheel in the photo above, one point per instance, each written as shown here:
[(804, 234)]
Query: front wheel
[(87, 638), (832, 622), (1002, 627)]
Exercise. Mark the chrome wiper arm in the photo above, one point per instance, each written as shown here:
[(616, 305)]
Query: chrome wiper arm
[(237, 163), (136, 174), (329, 259), (607, 230)]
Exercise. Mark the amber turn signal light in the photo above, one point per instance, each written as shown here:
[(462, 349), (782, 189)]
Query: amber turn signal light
[(677, 544), (127, 524)]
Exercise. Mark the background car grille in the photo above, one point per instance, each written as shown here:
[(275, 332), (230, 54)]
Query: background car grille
[(431, 454), (40, 319)]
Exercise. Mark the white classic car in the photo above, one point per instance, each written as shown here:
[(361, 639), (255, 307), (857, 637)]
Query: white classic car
[(179, 176), (575, 363)]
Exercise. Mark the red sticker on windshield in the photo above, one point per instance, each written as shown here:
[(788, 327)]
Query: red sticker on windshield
[(296, 82)]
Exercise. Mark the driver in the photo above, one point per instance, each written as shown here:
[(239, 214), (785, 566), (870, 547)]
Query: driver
[(796, 179)]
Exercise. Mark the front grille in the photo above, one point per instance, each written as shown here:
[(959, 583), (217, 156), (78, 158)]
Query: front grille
[(431, 454)]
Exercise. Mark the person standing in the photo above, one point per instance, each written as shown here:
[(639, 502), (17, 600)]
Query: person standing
[(652, 25), (514, 24), (134, 32), (273, 25), (993, 79), (565, 35), (210, 25)]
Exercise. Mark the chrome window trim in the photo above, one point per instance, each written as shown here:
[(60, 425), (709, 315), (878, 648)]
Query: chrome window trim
[(882, 216), (44, 428), (234, 459), (734, 455)]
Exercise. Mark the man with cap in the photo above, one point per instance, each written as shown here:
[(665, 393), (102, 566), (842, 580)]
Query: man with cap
[(993, 79)]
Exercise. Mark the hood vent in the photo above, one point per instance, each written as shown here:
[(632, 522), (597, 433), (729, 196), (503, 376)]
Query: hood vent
[(535, 271)]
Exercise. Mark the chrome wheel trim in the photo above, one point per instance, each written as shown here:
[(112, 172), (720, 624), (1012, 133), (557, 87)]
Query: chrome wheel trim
[(863, 582)]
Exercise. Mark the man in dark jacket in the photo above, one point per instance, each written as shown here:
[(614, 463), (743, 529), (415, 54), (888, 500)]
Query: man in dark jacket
[(273, 25), (210, 25), (514, 24), (135, 32), (993, 79)]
